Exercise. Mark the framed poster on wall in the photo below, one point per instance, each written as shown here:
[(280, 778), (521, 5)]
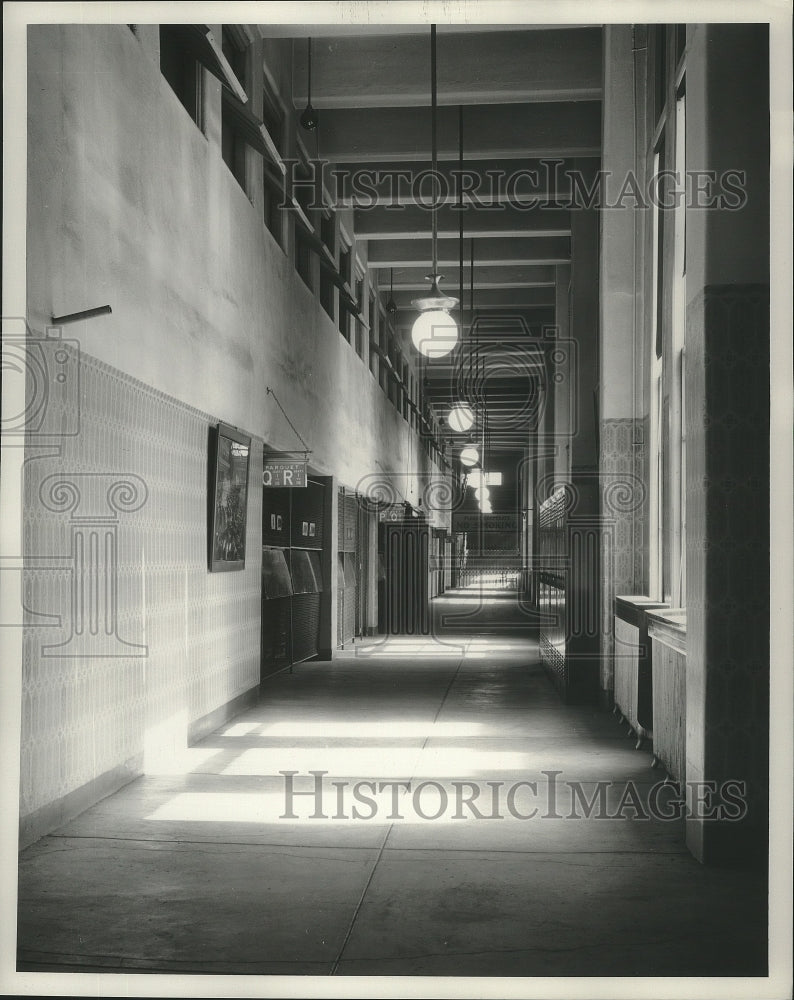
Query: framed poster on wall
[(228, 497)]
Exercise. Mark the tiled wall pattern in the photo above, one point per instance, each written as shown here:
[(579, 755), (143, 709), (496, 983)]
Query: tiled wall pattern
[(642, 429), (623, 499), (728, 538), (143, 639)]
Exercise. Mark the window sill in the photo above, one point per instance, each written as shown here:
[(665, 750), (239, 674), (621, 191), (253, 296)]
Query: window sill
[(631, 609), (668, 626)]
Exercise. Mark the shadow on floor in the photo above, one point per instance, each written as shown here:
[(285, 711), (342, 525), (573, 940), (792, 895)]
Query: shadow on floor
[(415, 806)]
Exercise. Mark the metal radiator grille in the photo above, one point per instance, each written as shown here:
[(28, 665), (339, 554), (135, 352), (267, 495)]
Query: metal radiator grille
[(305, 626)]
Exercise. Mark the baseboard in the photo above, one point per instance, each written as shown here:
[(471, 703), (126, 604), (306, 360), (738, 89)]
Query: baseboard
[(219, 716), (60, 811)]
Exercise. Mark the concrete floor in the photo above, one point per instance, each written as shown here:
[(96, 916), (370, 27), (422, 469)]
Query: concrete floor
[(193, 870)]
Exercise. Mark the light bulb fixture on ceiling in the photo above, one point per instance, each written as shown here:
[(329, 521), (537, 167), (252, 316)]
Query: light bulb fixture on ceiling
[(309, 118), (391, 305), (435, 332), (470, 455), (460, 417)]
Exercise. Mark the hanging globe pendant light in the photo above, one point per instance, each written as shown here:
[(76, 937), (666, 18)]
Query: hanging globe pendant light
[(435, 332), (470, 456), (460, 417)]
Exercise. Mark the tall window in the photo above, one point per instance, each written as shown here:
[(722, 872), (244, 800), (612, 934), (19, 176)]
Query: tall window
[(391, 350), (346, 274), (233, 145), (374, 360), (660, 70), (360, 328), (678, 421), (273, 120), (667, 576), (327, 286), (406, 375), (384, 326), (182, 71), (656, 492), (303, 252)]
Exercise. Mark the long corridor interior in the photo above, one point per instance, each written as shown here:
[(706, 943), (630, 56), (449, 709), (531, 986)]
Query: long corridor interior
[(396, 498), (417, 807)]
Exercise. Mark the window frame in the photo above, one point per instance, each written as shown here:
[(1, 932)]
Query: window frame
[(236, 151), (191, 70)]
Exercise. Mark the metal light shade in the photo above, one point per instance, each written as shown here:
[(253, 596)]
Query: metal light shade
[(470, 456), (308, 119), (435, 332), (460, 417)]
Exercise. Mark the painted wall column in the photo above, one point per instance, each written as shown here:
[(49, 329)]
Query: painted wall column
[(563, 377), (620, 437), (727, 419), (582, 592)]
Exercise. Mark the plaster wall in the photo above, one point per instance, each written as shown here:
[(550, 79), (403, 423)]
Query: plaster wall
[(130, 204)]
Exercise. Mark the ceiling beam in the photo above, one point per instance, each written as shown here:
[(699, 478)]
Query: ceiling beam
[(511, 276), (413, 222), (507, 298), (331, 26), (494, 67), (494, 322), (479, 182), (499, 252), (496, 131)]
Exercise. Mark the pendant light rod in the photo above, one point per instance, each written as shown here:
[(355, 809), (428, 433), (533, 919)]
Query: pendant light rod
[(309, 82), (474, 361), (433, 139), (308, 119), (435, 332), (471, 279), (460, 194)]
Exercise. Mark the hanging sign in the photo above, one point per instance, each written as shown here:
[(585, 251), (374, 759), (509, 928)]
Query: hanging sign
[(501, 523), (284, 474), (394, 512)]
